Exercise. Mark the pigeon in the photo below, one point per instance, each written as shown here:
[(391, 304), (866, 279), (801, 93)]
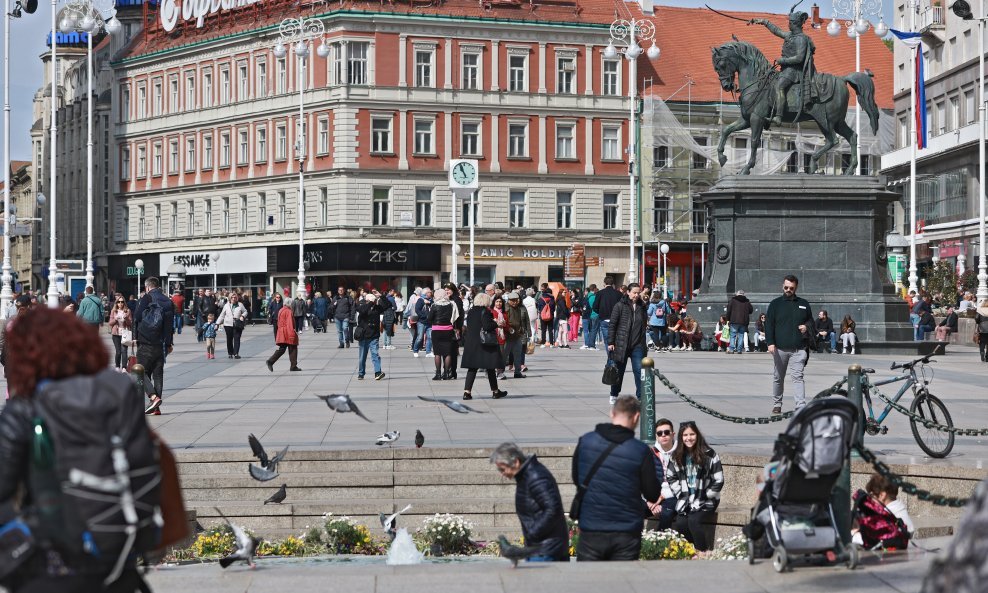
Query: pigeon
[(388, 438), (260, 474), (246, 545), (390, 522), (452, 405), (341, 402), (514, 553), (278, 497), (262, 455), (419, 439)]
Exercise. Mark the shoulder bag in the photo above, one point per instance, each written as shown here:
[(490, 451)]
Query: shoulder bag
[(612, 375), (581, 489)]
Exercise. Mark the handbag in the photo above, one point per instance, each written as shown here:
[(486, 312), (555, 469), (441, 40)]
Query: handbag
[(359, 332), (612, 375), (131, 361), (126, 337), (488, 338), (239, 323), (581, 489), (530, 349)]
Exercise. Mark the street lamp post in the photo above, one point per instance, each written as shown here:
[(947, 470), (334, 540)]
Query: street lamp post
[(52, 294), (89, 17), (855, 13), (297, 33), (215, 257), (630, 31), (139, 266), (664, 249)]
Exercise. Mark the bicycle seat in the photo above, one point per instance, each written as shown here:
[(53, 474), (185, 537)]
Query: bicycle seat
[(867, 371)]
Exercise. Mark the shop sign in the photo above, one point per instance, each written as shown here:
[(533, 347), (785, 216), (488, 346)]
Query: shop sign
[(534, 253), (196, 9), (232, 261), (332, 257)]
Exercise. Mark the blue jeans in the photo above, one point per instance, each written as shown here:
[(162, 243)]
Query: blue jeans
[(515, 350), (363, 347), (423, 335), (341, 326), (199, 324), (605, 326), (636, 355), (914, 319), (658, 334), (386, 336), (178, 322), (739, 335), (591, 327)]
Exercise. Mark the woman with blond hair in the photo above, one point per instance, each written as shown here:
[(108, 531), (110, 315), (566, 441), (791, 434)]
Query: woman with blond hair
[(478, 354)]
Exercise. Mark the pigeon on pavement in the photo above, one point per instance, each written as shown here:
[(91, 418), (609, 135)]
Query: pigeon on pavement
[(514, 553), (452, 405), (262, 455), (390, 522), (278, 497), (388, 438), (419, 439), (341, 402), (260, 474), (246, 545)]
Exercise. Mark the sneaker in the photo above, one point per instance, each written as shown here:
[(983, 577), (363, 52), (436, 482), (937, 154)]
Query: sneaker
[(520, 376), (153, 405), (613, 400), (378, 376), (777, 410), (156, 412), (415, 354), (583, 347), (501, 377), (542, 346), (340, 346), (360, 377), (524, 368), (497, 394)]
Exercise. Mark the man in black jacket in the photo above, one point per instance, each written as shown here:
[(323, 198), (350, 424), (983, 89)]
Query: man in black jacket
[(603, 305), (537, 503), (343, 307), (613, 510), (788, 322), (629, 322), (947, 326), (152, 349), (739, 312)]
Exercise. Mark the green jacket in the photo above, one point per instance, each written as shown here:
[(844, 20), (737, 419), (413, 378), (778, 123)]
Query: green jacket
[(782, 321), (91, 309)]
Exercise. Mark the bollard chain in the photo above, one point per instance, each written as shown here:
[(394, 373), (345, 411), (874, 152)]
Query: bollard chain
[(736, 419), (908, 487), (926, 422)]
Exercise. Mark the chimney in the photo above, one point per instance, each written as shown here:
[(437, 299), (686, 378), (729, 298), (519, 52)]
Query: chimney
[(815, 19)]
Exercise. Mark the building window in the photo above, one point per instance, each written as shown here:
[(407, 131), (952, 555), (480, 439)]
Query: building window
[(698, 221), (566, 75), (156, 159), (423, 207), (323, 136), (226, 215), (207, 152), (955, 113), (470, 138), (142, 98), (243, 82), (141, 221), (158, 99), (173, 105), (225, 149), (224, 86), (190, 154), (660, 156), (124, 162), (157, 221), (173, 156), (518, 140), (356, 64), (173, 228), (207, 224), (382, 201), (610, 147), (281, 142), (517, 66), (243, 152), (610, 211), (516, 209), (282, 210), (323, 206), (124, 105), (792, 163), (190, 91), (466, 210), (243, 214), (281, 77), (969, 110), (661, 214), (262, 212), (699, 161), (262, 144), (190, 217), (471, 71), (423, 136), (564, 209), (262, 79), (207, 88), (565, 141), (423, 68), (612, 72), (381, 134)]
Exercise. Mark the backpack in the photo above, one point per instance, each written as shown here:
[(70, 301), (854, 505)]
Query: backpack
[(660, 311), (152, 326), (877, 525), (95, 476), (546, 313)]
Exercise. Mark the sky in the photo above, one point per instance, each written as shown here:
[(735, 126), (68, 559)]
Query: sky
[(27, 40)]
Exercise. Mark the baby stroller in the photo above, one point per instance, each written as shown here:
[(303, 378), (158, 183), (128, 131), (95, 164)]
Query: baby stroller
[(794, 512), (316, 324)]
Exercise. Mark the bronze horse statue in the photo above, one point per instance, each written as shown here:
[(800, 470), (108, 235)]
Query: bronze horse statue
[(828, 106)]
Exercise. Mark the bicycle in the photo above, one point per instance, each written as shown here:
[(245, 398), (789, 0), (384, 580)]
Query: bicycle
[(933, 441)]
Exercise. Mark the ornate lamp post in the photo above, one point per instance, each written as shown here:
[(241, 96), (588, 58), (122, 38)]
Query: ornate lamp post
[(664, 250), (89, 17), (139, 266), (297, 33), (630, 32), (855, 13)]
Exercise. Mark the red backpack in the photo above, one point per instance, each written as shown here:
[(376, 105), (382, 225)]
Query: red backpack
[(877, 524), (546, 313)]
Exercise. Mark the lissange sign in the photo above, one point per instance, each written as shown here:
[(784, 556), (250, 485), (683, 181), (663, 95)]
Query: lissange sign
[(196, 10)]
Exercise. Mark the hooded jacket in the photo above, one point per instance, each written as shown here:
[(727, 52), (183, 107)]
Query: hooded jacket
[(739, 310)]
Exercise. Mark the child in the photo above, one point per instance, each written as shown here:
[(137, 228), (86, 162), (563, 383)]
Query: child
[(882, 520), (209, 332)]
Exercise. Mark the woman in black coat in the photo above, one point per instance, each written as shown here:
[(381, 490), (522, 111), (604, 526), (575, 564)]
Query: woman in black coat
[(477, 355)]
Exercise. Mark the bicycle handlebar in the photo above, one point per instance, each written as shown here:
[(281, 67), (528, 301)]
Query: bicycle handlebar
[(924, 360)]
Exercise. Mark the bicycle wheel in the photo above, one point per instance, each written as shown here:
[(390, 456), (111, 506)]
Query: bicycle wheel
[(935, 443)]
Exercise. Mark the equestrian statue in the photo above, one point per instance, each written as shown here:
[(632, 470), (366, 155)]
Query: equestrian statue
[(795, 92)]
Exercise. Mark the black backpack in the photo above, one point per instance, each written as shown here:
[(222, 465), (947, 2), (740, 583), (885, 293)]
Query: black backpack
[(151, 329), (95, 474)]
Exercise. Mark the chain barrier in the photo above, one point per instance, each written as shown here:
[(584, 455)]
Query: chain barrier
[(908, 487), (926, 422)]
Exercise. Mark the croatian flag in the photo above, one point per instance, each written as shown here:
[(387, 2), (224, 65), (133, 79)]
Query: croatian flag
[(915, 42)]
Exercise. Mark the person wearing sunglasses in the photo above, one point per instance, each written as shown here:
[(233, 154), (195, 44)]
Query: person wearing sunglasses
[(787, 324), (664, 509), (121, 323), (696, 478)]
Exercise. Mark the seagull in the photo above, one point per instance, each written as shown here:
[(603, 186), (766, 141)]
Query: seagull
[(419, 439), (341, 402), (390, 522), (262, 455), (452, 405), (278, 497), (388, 438), (514, 553), (246, 545), (260, 474)]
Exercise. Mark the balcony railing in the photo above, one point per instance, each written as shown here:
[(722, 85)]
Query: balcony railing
[(931, 18)]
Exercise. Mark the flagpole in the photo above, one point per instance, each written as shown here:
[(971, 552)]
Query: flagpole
[(913, 276)]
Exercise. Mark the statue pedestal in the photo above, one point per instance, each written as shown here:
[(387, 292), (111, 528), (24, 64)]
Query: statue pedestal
[(829, 231)]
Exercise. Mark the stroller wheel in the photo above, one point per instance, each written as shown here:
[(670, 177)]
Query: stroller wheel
[(751, 551), (780, 560), (853, 556)]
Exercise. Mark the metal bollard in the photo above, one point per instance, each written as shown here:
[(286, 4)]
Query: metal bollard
[(841, 497), (138, 371), (647, 422)]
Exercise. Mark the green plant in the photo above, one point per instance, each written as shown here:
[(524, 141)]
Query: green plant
[(346, 536), (449, 534), (732, 548), (665, 545), (214, 542), (574, 536), (941, 282), (969, 280)]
